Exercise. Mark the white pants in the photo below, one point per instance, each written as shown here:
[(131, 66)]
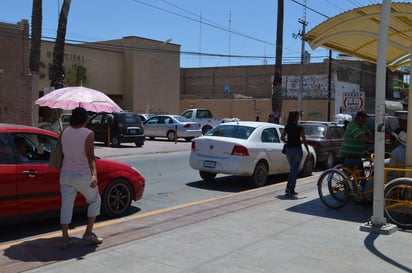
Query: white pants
[(70, 184)]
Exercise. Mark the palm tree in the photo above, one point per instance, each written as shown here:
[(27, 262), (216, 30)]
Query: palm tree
[(277, 80), (34, 63), (36, 24), (57, 72)]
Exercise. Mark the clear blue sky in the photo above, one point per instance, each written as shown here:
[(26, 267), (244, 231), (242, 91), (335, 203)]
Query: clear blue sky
[(245, 29)]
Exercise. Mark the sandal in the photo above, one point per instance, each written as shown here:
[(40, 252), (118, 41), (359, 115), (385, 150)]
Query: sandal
[(67, 243), (92, 239)]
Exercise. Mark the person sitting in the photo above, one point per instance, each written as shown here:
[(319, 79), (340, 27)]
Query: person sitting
[(352, 149), (397, 155), (356, 136), (21, 148)]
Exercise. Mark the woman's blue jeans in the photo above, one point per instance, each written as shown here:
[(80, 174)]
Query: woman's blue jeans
[(294, 156)]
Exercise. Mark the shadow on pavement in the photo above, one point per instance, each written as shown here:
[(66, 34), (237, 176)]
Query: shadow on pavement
[(122, 146), (224, 184), (32, 228), (351, 212), (166, 140), (369, 243), (47, 250), (232, 183)]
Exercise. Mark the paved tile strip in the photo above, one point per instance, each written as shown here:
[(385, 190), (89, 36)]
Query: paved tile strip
[(44, 250)]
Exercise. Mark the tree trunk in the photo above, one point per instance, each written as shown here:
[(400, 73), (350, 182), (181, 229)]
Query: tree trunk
[(34, 65), (36, 24), (277, 96), (57, 71)]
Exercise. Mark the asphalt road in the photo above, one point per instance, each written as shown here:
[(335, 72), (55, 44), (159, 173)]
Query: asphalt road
[(169, 182)]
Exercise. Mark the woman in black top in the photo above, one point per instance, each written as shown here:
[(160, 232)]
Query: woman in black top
[(293, 135)]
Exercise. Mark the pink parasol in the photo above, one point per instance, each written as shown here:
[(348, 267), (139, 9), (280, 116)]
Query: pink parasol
[(68, 98)]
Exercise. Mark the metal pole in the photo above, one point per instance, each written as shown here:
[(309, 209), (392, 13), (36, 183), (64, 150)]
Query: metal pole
[(302, 58), (408, 159), (329, 83), (176, 134), (378, 222)]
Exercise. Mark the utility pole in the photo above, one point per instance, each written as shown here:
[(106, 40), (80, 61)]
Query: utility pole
[(230, 34), (200, 39), (300, 35), (329, 83)]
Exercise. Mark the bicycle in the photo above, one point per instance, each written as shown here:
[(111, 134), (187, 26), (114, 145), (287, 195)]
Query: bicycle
[(340, 184), (398, 198)]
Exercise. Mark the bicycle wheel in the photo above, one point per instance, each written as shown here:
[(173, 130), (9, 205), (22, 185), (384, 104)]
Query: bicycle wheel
[(333, 188), (362, 183), (398, 202), (344, 169)]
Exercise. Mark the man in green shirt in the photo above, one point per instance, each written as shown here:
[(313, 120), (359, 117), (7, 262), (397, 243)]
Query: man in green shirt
[(354, 139)]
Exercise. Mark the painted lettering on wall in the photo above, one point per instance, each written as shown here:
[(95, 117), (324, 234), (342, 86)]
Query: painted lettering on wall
[(69, 57), (155, 112)]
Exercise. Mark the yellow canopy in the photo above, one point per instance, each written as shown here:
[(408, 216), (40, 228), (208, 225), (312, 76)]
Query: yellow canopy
[(356, 33)]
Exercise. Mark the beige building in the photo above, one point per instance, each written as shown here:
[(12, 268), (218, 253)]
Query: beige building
[(139, 74)]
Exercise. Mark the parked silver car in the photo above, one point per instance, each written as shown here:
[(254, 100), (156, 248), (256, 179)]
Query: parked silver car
[(172, 127)]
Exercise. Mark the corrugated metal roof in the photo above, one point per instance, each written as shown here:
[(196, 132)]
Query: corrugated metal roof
[(356, 33)]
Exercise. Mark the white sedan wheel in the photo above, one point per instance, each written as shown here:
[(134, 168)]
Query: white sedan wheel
[(260, 175)]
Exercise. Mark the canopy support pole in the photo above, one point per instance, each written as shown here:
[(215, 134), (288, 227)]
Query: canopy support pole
[(408, 158), (378, 223)]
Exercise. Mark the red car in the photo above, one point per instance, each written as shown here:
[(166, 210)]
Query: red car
[(28, 187)]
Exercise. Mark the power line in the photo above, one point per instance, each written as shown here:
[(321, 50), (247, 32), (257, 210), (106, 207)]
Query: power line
[(193, 17), (205, 22), (309, 8), (112, 46)]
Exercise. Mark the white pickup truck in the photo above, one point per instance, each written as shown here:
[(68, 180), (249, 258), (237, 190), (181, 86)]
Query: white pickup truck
[(205, 118)]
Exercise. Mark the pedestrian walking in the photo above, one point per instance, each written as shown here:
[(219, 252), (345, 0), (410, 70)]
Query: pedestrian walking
[(79, 174), (293, 135), (271, 118)]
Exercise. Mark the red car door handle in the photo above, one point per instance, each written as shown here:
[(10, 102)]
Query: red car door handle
[(30, 173)]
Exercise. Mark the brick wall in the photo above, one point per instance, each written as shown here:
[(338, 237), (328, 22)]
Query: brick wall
[(16, 98), (250, 88)]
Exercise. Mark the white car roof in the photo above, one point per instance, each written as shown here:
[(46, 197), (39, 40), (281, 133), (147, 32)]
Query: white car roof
[(255, 124)]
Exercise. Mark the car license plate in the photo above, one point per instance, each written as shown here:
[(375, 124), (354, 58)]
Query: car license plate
[(209, 164), (133, 132)]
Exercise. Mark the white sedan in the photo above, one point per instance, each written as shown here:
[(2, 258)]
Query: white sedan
[(245, 148)]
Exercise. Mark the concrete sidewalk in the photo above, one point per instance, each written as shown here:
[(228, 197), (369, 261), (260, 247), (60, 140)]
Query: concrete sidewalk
[(254, 231)]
